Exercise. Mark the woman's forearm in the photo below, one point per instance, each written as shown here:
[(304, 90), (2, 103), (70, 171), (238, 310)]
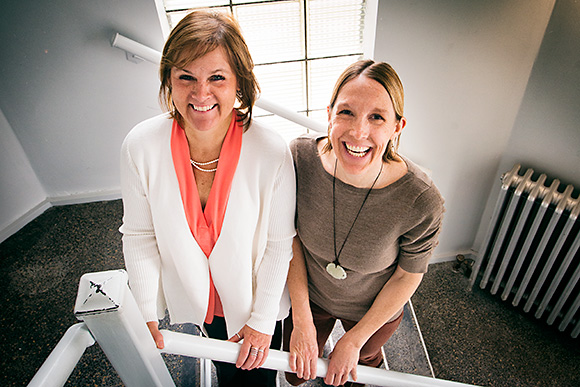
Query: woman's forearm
[(392, 298), (298, 285)]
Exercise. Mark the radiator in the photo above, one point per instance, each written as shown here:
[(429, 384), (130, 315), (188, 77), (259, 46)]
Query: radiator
[(530, 255)]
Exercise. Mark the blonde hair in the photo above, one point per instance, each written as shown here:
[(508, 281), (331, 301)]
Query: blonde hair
[(197, 34), (384, 74)]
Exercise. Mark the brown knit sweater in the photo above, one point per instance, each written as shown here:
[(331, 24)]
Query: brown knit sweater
[(398, 225)]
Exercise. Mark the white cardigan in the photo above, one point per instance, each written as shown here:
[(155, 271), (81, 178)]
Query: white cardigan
[(250, 260)]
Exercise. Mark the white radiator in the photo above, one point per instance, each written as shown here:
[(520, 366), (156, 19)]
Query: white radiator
[(530, 253)]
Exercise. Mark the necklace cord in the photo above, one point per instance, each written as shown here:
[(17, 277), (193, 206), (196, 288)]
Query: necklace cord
[(336, 256)]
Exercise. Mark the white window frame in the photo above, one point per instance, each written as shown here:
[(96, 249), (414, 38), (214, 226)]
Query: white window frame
[(369, 33)]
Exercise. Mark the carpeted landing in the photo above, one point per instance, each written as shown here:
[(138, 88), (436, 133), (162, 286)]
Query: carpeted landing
[(471, 337)]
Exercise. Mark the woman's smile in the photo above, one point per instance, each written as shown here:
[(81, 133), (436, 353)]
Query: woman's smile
[(205, 108), (356, 151)]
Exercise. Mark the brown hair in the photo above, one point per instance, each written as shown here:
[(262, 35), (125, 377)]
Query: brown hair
[(197, 34), (384, 74)]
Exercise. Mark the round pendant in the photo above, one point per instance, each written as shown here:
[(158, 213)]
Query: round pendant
[(336, 271)]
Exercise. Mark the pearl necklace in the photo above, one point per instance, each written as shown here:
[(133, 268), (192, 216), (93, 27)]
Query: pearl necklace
[(196, 165)]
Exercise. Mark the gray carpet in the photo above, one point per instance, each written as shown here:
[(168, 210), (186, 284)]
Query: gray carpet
[(474, 337), (470, 336)]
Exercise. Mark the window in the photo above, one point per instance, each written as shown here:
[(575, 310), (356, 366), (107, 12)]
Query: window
[(300, 47)]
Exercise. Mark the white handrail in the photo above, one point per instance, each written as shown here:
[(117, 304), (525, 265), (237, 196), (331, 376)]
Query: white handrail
[(290, 115), (140, 51), (177, 343), (58, 366), (136, 49), (109, 311)]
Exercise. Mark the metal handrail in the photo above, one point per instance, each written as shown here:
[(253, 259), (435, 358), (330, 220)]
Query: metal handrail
[(58, 366), (110, 314), (177, 343)]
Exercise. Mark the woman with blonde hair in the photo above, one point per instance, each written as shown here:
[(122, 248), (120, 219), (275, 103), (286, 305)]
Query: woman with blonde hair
[(367, 222)]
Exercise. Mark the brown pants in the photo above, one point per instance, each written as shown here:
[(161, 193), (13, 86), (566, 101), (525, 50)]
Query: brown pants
[(370, 353)]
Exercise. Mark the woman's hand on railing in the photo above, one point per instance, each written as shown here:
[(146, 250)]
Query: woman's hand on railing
[(343, 362), (157, 336), (304, 351), (254, 349)]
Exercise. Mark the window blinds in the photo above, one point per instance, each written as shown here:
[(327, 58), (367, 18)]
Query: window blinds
[(300, 47)]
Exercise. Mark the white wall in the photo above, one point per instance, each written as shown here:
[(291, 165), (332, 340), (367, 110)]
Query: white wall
[(464, 66), (19, 185), (546, 134), (70, 97)]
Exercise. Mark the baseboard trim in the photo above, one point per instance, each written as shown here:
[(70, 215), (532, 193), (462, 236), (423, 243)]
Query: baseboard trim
[(448, 257), (23, 220), (37, 210), (86, 197)]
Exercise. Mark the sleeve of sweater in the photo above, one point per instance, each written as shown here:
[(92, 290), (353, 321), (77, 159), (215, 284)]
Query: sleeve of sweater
[(273, 270), (140, 250), (418, 243)]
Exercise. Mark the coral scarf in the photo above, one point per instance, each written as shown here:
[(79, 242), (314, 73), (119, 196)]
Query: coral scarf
[(206, 224)]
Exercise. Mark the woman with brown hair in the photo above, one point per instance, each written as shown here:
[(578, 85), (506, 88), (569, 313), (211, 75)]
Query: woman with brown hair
[(209, 198)]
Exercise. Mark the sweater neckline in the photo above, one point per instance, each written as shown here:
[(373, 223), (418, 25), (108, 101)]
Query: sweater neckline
[(328, 176)]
